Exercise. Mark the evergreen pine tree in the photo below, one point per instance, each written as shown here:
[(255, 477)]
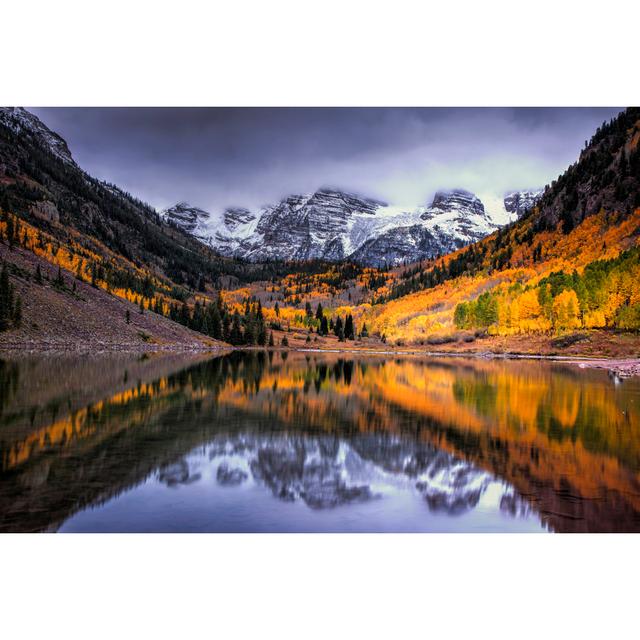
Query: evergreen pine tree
[(235, 336), (10, 227), (38, 275), (271, 343), (338, 327), (348, 328), (59, 281), (250, 330), (6, 299), (226, 327), (197, 318), (185, 318), (261, 333), (17, 312), (127, 317), (216, 322)]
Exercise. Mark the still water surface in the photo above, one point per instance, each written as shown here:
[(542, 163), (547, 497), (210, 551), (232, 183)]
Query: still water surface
[(257, 441)]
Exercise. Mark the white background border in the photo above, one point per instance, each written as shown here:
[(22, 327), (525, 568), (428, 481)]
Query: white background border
[(319, 586), (330, 53), (334, 52)]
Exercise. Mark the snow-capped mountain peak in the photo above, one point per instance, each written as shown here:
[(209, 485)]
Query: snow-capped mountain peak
[(455, 218), (193, 220), (457, 199), (334, 224), (517, 203)]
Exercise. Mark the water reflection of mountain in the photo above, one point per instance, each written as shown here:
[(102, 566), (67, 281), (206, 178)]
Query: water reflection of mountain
[(328, 471), (567, 440)]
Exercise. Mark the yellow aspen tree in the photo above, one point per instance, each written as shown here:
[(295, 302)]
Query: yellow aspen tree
[(566, 310)]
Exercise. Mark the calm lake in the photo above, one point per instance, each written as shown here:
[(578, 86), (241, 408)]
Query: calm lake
[(271, 441)]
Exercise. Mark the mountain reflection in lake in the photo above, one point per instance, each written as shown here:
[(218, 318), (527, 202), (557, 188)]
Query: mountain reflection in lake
[(259, 441)]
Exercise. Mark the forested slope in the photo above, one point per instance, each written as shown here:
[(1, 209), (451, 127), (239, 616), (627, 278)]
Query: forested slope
[(571, 263)]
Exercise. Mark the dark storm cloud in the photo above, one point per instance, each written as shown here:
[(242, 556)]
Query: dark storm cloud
[(223, 156)]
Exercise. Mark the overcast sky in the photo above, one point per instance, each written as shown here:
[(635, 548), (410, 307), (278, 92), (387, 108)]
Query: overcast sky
[(217, 157)]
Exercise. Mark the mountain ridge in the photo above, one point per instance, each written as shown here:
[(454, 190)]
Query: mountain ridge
[(335, 224)]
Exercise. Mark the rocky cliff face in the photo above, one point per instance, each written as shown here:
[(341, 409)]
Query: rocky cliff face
[(190, 219), (455, 200), (236, 217), (518, 203), (334, 225), (454, 219), (300, 227), (45, 210)]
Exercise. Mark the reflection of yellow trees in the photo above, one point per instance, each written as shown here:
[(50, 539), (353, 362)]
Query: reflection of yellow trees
[(531, 423), (90, 421), (552, 426), (529, 400)]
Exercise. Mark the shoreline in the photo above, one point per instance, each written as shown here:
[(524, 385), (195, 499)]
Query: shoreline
[(53, 348), (621, 367)]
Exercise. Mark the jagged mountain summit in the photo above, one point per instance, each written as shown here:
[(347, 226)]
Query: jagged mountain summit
[(333, 224), (517, 203), (190, 219), (454, 219)]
